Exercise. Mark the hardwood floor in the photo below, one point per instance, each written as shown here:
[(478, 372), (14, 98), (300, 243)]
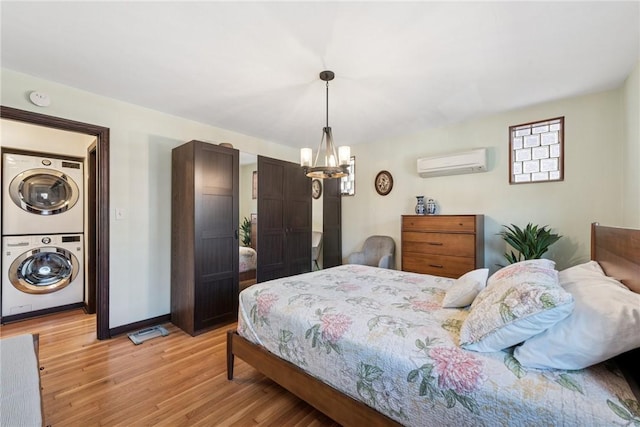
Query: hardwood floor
[(176, 380)]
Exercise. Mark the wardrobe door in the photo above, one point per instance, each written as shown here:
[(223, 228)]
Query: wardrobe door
[(284, 211), (331, 224), (216, 234), (271, 229), (297, 219)]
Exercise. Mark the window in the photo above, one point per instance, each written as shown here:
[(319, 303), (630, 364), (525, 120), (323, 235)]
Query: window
[(536, 151)]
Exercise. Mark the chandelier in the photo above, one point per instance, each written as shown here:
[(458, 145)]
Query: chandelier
[(328, 163)]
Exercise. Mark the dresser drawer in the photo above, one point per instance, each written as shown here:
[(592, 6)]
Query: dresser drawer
[(439, 243), (448, 223), (437, 265)]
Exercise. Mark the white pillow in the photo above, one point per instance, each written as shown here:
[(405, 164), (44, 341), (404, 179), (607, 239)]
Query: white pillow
[(605, 322), (466, 288), (520, 300)]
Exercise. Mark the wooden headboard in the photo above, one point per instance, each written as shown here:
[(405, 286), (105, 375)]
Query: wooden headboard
[(617, 250)]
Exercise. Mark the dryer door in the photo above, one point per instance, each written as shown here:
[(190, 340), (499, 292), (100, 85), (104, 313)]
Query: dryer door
[(43, 270), (43, 191)]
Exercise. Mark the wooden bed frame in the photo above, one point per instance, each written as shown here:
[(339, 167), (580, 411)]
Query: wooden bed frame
[(616, 249)]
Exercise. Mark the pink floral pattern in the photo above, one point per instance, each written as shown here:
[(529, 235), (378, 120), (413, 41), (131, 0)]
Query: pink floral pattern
[(260, 311), (334, 326), (347, 287), (457, 369), (265, 301), (533, 266), (422, 305), (419, 305)]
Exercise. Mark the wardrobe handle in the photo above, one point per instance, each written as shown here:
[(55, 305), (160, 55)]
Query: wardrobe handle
[(435, 243)]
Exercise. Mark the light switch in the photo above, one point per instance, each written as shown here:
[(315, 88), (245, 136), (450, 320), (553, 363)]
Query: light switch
[(120, 214)]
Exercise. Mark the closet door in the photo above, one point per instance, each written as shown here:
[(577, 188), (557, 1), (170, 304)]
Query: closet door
[(331, 224), (284, 214)]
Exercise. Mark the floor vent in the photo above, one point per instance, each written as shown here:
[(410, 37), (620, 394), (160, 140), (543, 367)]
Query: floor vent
[(146, 334)]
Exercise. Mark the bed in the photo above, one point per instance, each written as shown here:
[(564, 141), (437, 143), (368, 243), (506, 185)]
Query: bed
[(248, 260), (397, 360)]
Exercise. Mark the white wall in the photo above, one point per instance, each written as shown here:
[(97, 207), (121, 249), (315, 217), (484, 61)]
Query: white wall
[(591, 190), (141, 141), (631, 184), (43, 139)]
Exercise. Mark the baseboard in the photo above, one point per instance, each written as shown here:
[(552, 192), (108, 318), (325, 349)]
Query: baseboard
[(38, 313), (139, 325)]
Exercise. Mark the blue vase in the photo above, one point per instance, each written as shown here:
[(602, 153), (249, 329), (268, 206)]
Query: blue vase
[(431, 207), (420, 207)]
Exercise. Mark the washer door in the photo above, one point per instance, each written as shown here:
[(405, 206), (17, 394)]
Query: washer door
[(44, 191), (43, 270)]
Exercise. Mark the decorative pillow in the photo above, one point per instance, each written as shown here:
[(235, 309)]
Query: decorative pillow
[(466, 288), (520, 300), (605, 322)]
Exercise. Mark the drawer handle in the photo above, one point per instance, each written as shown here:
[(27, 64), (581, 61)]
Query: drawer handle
[(435, 243), (436, 265)]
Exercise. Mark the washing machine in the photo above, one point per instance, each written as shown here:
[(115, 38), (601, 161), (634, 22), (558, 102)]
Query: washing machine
[(41, 272), (41, 195)]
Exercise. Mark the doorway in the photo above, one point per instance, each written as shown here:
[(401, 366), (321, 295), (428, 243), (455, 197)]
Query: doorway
[(98, 232)]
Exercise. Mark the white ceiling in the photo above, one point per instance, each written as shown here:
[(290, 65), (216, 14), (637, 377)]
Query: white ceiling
[(253, 68)]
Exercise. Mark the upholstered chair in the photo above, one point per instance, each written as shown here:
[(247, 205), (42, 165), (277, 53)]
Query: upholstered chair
[(377, 251)]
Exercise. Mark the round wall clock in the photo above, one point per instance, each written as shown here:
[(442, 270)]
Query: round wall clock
[(383, 183), (316, 188)]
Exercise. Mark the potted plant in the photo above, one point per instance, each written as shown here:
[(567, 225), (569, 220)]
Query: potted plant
[(530, 243), (245, 232)]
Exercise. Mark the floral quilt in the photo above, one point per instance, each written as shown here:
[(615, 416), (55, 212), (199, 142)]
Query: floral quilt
[(382, 337), (248, 259)]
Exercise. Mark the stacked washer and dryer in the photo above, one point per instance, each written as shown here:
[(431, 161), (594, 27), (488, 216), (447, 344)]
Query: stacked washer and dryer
[(42, 235)]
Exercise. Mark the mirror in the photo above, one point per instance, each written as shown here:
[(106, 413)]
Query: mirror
[(248, 218)]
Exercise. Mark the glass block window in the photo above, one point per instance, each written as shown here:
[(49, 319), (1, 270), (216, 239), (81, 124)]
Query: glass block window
[(348, 183), (536, 151)]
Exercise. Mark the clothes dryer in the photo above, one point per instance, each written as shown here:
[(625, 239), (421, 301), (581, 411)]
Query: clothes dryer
[(41, 272), (41, 195)]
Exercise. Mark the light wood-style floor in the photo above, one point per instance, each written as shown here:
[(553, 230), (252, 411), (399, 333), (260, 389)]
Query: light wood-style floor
[(176, 380)]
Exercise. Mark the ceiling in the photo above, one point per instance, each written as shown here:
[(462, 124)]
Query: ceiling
[(252, 67)]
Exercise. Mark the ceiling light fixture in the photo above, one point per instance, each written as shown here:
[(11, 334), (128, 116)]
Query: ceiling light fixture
[(335, 164)]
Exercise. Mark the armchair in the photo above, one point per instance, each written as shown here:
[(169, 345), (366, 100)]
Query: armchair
[(377, 251), (316, 246)]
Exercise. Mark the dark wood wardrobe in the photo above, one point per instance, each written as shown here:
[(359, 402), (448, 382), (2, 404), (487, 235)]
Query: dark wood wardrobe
[(204, 236), (284, 213)]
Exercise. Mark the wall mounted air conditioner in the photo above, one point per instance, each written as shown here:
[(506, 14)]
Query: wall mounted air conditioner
[(453, 163)]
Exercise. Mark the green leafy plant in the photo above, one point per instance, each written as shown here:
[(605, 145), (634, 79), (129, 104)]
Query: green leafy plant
[(245, 232), (530, 242)]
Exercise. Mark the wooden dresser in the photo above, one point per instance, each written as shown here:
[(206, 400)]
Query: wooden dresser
[(442, 245)]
